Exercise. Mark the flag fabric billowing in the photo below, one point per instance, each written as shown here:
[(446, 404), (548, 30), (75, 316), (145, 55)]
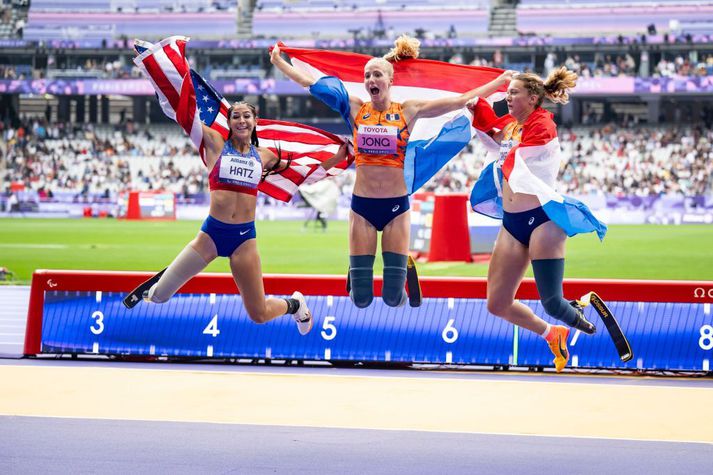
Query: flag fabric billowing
[(190, 100), (530, 167), (433, 141)]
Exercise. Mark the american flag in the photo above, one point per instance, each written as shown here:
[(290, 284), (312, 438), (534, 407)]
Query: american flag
[(190, 102)]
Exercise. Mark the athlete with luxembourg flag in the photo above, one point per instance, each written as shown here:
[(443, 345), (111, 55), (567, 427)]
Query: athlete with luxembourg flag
[(517, 186), (384, 134)]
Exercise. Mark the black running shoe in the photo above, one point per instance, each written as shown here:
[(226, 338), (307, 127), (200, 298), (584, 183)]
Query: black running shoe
[(582, 324), (136, 295)]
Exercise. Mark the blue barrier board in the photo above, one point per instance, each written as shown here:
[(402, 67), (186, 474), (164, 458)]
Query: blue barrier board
[(663, 336)]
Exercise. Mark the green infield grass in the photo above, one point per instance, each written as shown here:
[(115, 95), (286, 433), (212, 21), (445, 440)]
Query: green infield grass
[(628, 252)]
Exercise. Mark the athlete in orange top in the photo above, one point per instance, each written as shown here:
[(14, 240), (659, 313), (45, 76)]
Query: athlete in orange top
[(374, 124), (380, 197)]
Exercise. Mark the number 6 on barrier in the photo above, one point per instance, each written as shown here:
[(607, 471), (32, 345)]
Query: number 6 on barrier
[(617, 336)]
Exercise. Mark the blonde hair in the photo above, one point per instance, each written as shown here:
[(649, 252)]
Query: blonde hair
[(405, 47), (555, 87)]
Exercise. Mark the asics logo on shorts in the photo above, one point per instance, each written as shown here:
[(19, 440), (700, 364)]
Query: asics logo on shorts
[(395, 208), (532, 220), (243, 233)]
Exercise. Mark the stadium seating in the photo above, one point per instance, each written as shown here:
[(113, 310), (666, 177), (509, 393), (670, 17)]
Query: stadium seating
[(600, 18), (326, 24), (49, 25), (607, 3)]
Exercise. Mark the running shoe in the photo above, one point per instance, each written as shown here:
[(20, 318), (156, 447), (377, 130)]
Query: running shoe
[(557, 341)]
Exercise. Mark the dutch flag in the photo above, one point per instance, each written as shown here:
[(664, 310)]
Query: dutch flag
[(433, 141)]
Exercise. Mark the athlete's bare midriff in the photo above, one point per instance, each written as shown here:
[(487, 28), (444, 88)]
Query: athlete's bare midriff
[(231, 207), (517, 202), (379, 182)]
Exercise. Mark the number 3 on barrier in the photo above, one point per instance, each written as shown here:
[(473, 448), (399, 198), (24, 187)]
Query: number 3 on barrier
[(99, 322), (706, 339)]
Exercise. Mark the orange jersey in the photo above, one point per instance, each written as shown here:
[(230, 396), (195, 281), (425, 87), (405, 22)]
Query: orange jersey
[(512, 136), (380, 137)]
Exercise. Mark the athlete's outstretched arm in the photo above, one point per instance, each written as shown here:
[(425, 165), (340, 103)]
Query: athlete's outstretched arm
[(337, 157), (214, 144), (275, 164), (306, 80), (421, 109), (301, 78)]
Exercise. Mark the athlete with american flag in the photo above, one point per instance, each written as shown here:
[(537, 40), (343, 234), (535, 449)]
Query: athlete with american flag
[(238, 167)]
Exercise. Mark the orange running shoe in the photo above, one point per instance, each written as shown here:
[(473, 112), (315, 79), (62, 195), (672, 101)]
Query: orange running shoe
[(557, 340)]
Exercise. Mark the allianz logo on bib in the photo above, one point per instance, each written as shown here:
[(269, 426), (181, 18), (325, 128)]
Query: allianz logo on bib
[(239, 160)]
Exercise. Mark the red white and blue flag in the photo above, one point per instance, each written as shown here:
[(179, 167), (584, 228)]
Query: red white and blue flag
[(433, 141), (190, 100), (531, 167)]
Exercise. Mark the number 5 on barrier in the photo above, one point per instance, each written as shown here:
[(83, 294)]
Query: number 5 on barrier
[(615, 332)]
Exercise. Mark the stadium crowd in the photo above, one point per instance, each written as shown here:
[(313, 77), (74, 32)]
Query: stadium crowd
[(605, 65), (90, 162)]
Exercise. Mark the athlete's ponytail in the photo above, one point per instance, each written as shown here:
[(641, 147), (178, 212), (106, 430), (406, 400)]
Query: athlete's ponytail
[(276, 167), (405, 47), (558, 83), (554, 88)]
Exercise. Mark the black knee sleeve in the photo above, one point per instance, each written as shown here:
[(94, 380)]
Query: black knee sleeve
[(361, 277), (549, 274), (392, 290)]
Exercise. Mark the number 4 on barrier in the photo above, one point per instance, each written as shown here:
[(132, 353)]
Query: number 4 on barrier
[(617, 336)]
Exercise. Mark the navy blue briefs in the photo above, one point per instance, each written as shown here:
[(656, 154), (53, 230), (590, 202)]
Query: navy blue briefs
[(380, 211), (228, 237), (522, 224)]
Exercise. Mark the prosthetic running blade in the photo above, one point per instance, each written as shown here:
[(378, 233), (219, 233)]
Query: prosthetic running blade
[(136, 295), (617, 335)]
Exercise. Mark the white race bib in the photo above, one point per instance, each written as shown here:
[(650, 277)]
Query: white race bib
[(505, 147), (377, 139), (239, 170)]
